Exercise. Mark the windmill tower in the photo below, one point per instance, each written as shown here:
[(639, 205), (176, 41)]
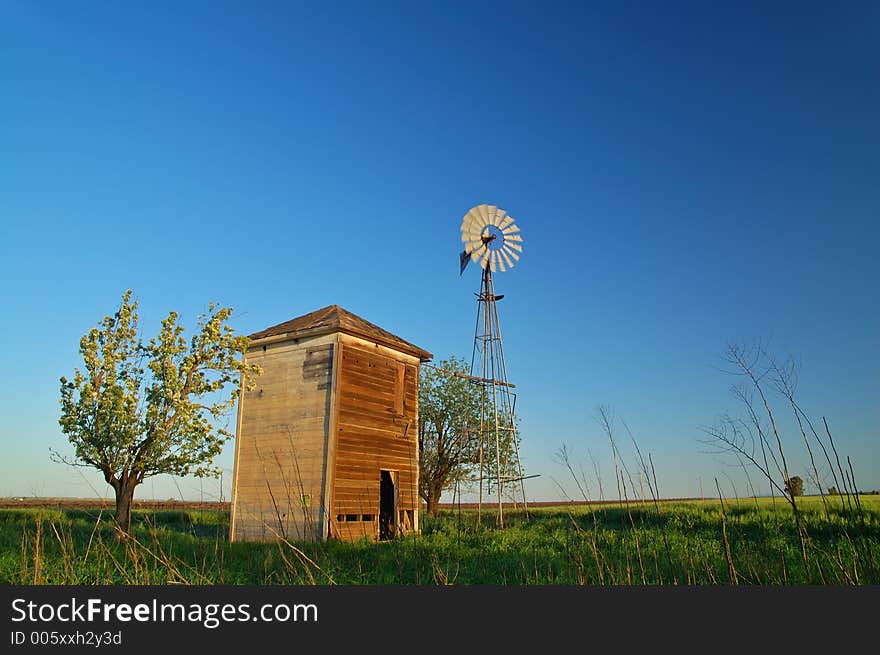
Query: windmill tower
[(492, 239)]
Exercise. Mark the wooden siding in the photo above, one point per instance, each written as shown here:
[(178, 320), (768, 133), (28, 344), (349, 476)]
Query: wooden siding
[(327, 416), (376, 429), (281, 445)]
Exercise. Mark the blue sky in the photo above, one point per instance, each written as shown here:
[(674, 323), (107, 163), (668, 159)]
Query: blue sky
[(685, 175)]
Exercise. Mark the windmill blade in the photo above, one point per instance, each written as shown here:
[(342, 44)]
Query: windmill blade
[(470, 233), (471, 227), (490, 211), (484, 221), (473, 251), (493, 260), (473, 216), (471, 219), (505, 258), (471, 237), (504, 220), (485, 257), (475, 234), (483, 213), (472, 244)]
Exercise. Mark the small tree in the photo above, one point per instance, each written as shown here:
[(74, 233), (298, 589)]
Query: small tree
[(450, 405), (794, 486), (449, 413), (138, 410)]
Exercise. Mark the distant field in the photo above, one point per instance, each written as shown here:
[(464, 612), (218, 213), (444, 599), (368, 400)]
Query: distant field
[(752, 541), (96, 503), (173, 504)]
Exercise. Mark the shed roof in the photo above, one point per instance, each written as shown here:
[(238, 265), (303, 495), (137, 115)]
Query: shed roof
[(334, 318)]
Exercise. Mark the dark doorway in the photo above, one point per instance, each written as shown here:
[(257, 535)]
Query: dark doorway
[(387, 505)]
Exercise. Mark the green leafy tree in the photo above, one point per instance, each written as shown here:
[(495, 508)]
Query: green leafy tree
[(449, 432), (794, 486), (141, 409)]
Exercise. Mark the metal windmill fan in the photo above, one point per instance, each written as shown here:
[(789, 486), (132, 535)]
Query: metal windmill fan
[(491, 238)]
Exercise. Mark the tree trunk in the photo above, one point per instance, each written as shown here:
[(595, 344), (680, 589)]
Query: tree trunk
[(433, 500), (124, 496)]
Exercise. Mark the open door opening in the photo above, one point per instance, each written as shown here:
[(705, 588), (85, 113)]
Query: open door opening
[(388, 505)]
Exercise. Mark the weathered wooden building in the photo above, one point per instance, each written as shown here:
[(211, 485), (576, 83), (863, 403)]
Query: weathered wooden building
[(327, 442)]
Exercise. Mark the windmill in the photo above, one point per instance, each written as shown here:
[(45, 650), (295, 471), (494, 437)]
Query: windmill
[(492, 239)]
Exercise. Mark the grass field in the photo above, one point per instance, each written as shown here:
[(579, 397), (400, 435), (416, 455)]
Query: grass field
[(687, 542)]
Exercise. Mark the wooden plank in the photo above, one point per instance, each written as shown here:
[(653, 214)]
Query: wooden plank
[(360, 504), (370, 451), (370, 481), (356, 416), (399, 388), (282, 439), (374, 438), (301, 424), (333, 419), (355, 507), (367, 377), (373, 387), (351, 449), (369, 402), (235, 466), (372, 346), (366, 449), (356, 413), (369, 502), (283, 453), (349, 470), (358, 482), (392, 463), (374, 368), (470, 377), (367, 358), (301, 469), (375, 433), (368, 371), (364, 484)]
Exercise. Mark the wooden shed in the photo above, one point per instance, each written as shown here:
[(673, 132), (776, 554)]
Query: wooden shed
[(327, 442)]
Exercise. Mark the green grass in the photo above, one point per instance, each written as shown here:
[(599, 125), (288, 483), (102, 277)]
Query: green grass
[(683, 543)]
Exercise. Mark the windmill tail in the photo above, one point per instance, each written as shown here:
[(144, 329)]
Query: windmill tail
[(464, 258)]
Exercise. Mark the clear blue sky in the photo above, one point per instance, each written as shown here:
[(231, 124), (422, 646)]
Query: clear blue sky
[(685, 174)]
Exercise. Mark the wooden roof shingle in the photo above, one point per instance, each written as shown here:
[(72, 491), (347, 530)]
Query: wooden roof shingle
[(334, 318)]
